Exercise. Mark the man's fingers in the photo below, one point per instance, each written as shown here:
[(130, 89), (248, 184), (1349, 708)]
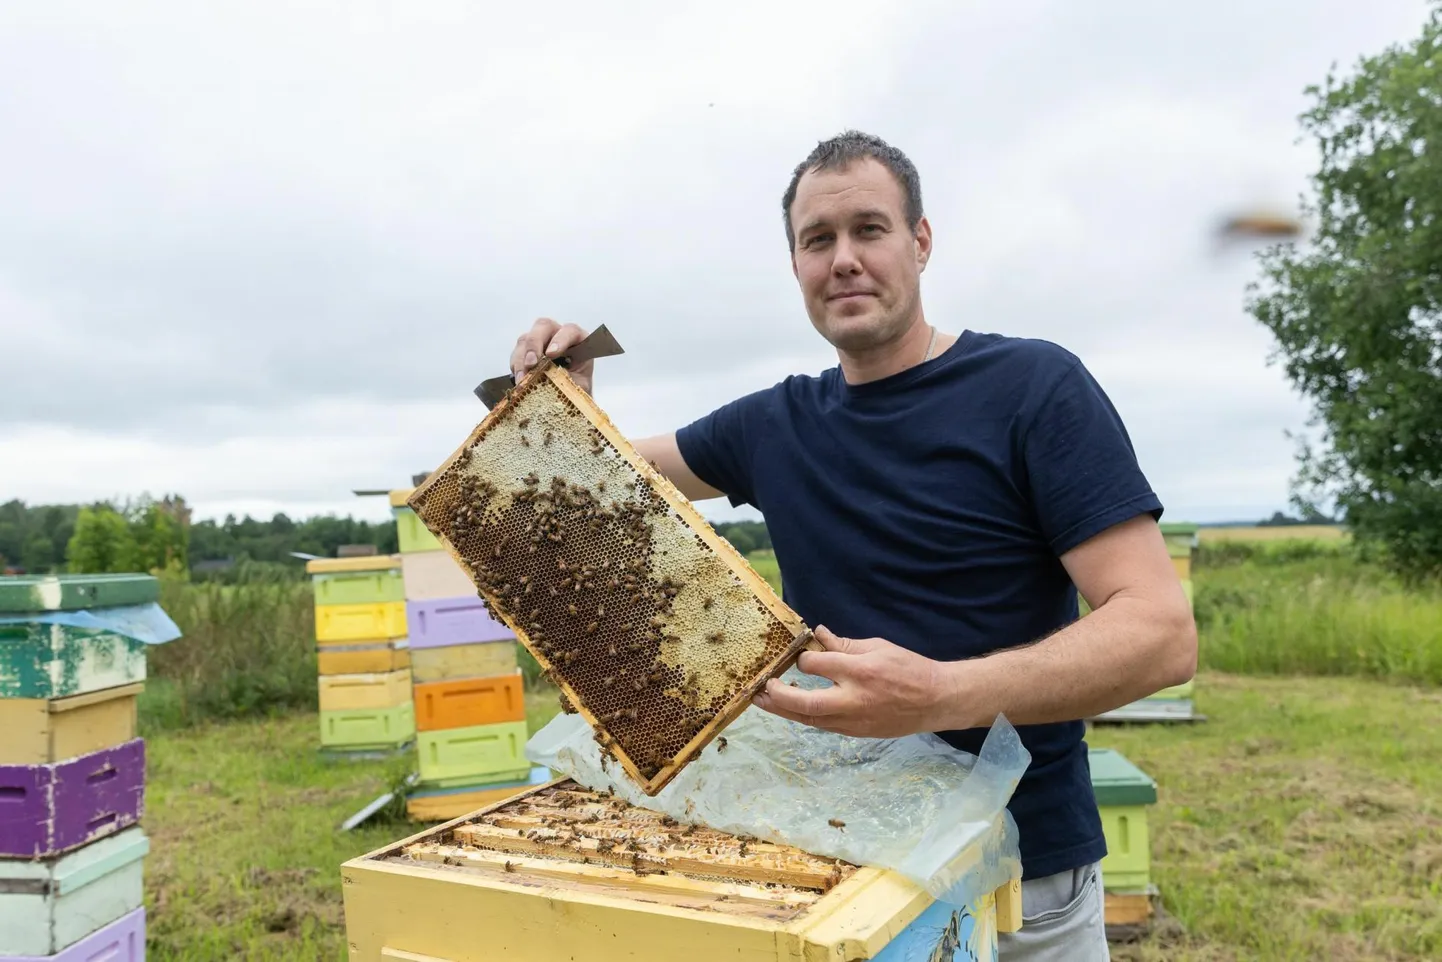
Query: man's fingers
[(834, 642), (828, 664), (798, 704), (564, 338), (531, 345)]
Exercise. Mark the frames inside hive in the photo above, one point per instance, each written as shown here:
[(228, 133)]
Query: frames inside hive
[(564, 832), (654, 627)]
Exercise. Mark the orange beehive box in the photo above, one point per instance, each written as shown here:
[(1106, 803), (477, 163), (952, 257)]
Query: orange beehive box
[(470, 701)]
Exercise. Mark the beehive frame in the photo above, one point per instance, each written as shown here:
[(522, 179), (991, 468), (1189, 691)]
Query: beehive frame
[(556, 518)]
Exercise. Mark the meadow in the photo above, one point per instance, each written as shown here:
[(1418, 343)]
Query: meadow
[(1300, 821)]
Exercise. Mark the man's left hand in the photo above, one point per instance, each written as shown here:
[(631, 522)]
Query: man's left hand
[(879, 690)]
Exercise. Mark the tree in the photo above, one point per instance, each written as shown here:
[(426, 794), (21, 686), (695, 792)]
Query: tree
[(1356, 313), (103, 542)]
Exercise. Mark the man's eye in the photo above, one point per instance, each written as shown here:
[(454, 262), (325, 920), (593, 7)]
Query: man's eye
[(816, 240)]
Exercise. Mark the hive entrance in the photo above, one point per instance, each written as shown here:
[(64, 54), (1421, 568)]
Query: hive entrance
[(569, 834), (654, 628)]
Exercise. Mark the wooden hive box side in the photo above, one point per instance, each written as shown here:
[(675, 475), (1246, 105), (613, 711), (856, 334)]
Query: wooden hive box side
[(654, 627)]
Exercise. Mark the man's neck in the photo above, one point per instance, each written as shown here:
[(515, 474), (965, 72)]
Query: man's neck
[(892, 358)]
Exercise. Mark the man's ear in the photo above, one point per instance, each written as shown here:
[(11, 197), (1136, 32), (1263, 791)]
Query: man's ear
[(923, 243)]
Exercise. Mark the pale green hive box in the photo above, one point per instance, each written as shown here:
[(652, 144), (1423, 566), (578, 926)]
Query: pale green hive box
[(1124, 793), (75, 592)]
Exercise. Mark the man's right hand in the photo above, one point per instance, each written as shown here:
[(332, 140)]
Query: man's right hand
[(546, 338)]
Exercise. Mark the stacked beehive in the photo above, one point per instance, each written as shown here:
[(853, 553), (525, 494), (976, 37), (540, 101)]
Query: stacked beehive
[(72, 771), (1124, 794), (362, 656), (469, 693)]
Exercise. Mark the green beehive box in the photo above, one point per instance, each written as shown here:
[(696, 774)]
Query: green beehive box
[(477, 753), (359, 588), (368, 729), (1123, 793), (57, 661), (1181, 537), (74, 592), (411, 534)]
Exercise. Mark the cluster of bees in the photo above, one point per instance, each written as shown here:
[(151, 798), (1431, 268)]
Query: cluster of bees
[(572, 571)]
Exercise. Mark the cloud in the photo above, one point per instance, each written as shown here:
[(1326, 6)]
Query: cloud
[(260, 253)]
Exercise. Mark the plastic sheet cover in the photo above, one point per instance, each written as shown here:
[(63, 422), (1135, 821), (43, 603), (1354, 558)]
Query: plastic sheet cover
[(148, 623), (915, 804)]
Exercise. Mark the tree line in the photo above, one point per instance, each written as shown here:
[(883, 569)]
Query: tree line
[(159, 535)]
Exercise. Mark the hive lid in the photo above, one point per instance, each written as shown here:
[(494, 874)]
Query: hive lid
[(655, 629), (379, 562), (1116, 781), (74, 592)]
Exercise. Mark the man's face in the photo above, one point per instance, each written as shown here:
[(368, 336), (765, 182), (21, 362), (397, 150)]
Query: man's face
[(858, 264)]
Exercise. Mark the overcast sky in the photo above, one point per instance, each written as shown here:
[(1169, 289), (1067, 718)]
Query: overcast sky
[(259, 253)]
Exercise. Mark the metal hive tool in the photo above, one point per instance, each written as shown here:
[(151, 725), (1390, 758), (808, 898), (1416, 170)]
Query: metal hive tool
[(654, 627)]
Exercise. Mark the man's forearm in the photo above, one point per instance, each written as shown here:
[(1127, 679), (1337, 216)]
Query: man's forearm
[(1125, 650)]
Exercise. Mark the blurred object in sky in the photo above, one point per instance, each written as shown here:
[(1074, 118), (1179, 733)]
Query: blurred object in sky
[(1259, 225)]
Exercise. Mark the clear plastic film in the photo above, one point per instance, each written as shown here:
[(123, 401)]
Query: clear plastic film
[(148, 623), (916, 804)]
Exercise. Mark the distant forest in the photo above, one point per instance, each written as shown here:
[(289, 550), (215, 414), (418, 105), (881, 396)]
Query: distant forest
[(148, 534)]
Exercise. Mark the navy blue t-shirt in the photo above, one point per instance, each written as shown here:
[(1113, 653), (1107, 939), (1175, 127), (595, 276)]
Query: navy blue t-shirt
[(930, 508)]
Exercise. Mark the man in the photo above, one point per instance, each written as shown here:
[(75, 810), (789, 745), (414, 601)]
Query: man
[(933, 500)]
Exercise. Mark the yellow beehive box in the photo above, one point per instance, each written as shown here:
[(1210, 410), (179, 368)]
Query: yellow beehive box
[(479, 660), (1183, 564), (362, 691), (42, 731), (364, 622), (537, 879), (361, 659)]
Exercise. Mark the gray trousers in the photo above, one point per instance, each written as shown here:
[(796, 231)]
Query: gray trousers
[(1062, 920)]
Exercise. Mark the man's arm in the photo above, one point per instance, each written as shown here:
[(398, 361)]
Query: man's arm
[(1139, 639), (662, 451)]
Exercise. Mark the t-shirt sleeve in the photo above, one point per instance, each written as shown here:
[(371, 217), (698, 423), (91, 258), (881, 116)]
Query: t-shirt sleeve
[(718, 447), (1081, 467)]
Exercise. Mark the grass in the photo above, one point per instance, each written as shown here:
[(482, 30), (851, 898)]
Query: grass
[(245, 849), (245, 650), (1326, 616), (1301, 822), (764, 562)]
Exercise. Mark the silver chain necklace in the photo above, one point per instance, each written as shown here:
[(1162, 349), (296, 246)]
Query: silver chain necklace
[(931, 346)]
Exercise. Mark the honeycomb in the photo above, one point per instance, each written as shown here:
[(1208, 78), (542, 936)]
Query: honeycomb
[(655, 629)]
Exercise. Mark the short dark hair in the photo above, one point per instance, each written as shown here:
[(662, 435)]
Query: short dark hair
[(837, 153)]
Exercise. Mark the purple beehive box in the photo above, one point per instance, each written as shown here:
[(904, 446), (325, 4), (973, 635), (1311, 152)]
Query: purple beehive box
[(48, 809), (121, 941), (437, 622)]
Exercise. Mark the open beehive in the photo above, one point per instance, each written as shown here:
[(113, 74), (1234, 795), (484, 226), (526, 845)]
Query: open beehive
[(654, 627), (564, 873), (550, 831)]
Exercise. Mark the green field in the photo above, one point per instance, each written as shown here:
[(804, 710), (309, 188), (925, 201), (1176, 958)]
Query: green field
[(1301, 821)]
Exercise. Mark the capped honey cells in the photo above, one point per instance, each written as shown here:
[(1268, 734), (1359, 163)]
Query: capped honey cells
[(654, 628)]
